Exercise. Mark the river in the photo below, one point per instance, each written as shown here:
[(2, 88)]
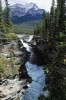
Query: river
[(37, 74)]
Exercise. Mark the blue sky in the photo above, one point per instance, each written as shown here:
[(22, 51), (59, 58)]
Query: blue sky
[(45, 4)]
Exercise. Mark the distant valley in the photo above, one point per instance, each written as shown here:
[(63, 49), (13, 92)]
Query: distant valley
[(26, 27)]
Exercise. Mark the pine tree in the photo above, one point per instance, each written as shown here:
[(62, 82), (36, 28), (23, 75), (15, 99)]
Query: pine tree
[(45, 27), (57, 75), (8, 23), (52, 12), (1, 19), (38, 29), (61, 15), (54, 25)]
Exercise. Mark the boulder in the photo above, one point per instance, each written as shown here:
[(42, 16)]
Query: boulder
[(23, 74)]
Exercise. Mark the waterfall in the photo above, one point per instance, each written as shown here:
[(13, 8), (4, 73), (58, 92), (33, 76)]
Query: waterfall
[(37, 74)]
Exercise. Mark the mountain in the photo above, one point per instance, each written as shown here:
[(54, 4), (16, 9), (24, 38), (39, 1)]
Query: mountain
[(23, 13)]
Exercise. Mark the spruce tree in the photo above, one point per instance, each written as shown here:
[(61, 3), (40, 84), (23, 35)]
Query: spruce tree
[(45, 27), (56, 24), (8, 23), (57, 75), (57, 69), (61, 15), (52, 12), (1, 19)]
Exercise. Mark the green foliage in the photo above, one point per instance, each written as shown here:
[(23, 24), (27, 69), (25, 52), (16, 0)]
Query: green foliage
[(57, 82), (5, 25), (52, 14), (54, 22), (11, 36), (46, 70), (8, 24), (1, 19), (8, 70), (38, 29), (54, 33), (61, 15), (45, 27), (2, 65)]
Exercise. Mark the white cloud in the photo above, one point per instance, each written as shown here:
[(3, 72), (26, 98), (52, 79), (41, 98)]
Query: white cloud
[(45, 4)]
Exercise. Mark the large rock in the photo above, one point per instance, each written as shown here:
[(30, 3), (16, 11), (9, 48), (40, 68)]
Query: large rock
[(36, 57), (40, 51), (23, 74)]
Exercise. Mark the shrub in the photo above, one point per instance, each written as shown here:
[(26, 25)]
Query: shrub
[(11, 36)]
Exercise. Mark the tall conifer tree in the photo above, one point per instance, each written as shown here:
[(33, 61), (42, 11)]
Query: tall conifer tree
[(1, 19), (45, 27), (8, 23), (61, 15), (52, 12)]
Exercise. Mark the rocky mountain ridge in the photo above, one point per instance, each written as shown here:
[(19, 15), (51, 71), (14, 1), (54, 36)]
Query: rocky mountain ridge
[(21, 13)]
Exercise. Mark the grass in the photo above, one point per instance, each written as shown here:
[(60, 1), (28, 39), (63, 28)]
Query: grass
[(7, 70), (8, 62)]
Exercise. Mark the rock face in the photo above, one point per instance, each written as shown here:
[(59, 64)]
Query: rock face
[(11, 89), (40, 49), (22, 13), (23, 74), (36, 57), (32, 67)]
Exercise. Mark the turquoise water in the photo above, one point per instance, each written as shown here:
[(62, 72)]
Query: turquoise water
[(38, 76)]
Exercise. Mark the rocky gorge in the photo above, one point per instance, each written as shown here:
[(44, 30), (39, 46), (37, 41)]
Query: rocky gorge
[(29, 84), (10, 86), (35, 65)]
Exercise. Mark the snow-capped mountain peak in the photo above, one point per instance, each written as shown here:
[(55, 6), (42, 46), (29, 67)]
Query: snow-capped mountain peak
[(31, 5), (30, 11)]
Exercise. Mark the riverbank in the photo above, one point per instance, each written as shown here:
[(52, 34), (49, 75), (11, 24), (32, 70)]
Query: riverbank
[(12, 85), (30, 82), (10, 60), (35, 68), (12, 89)]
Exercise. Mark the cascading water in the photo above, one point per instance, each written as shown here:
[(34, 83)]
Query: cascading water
[(36, 87), (37, 74)]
